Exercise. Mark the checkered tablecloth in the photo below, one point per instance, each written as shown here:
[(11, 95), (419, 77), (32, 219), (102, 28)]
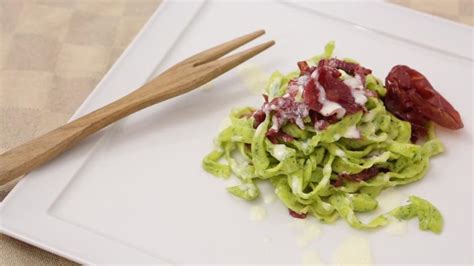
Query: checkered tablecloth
[(53, 53)]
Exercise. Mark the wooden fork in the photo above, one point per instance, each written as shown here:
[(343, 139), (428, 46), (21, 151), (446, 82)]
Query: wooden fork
[(180, 78)]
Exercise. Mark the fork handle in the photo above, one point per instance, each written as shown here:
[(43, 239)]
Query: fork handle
[(24, 158), (181, 78)]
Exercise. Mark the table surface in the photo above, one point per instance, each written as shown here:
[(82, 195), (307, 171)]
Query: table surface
[(64, 47)]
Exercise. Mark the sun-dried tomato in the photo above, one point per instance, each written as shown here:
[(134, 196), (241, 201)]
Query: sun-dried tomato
[(412, 98)]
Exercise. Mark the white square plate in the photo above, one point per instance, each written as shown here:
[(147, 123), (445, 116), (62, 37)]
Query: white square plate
[(136, 193)]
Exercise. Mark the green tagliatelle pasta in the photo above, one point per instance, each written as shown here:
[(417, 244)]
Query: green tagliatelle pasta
[(304, 169)]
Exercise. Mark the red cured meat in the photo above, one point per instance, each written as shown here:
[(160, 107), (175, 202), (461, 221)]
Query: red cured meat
[(311, 95), (364, 175), (309, 86), (337, 90), (348, 67), (297, 215)]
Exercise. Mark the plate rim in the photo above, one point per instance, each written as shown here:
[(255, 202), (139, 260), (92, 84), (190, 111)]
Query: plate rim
[(140, 39), (31, 236)]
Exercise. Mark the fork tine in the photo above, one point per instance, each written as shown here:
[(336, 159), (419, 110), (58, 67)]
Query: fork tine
[(225, 64), (220, 50)]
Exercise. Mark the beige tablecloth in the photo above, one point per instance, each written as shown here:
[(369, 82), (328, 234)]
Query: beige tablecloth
[(53, 53)]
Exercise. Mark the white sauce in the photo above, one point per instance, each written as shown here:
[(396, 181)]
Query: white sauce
[(311, 232), (257, 213), (326, 206), (299, 122), (340, 153), (311, 258), (319, 124), (306, 231), (352, 82), (275, 124), (369, 116), (253, 77), (355, 250), (329, 107), (388, 200), (344, 75), (269, 199), (267, 239), (359, 78), (236, 138), (396, 227), (305, 145), (352, 133), (357, 88), (301, 81), (248, 188), (359, 97), (280, 152), (295, 184), (300, 89), (299, 94)]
